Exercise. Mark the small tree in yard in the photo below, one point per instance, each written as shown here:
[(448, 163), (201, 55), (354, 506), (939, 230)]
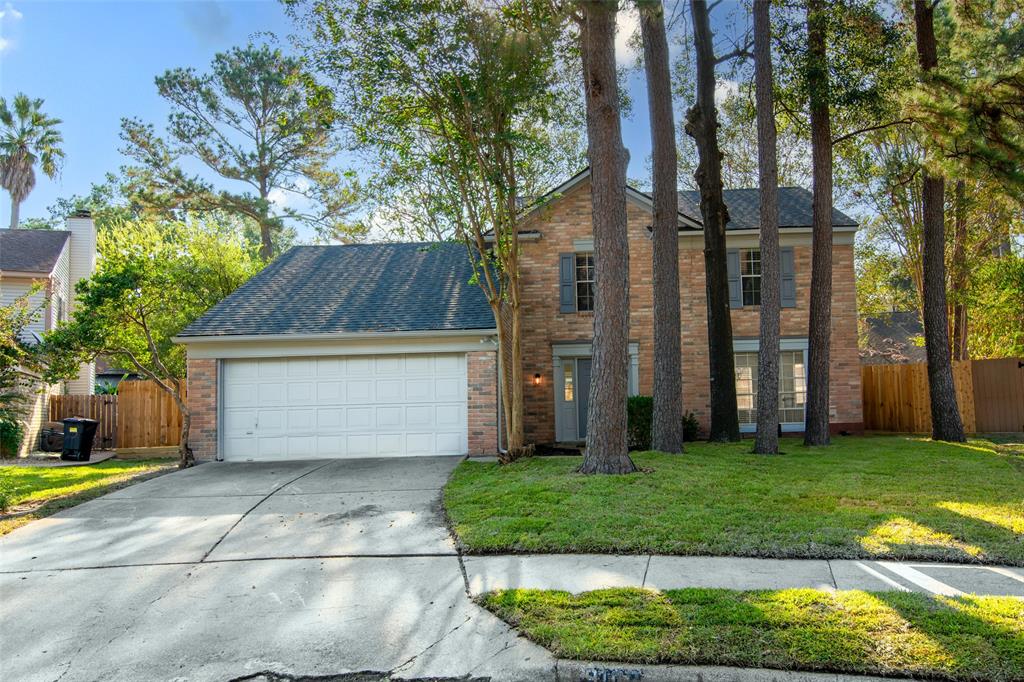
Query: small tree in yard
[(152, 280), (459, 108), (16, 357)]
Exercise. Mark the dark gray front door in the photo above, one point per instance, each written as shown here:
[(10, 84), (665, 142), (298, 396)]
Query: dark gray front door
[(582, 394)]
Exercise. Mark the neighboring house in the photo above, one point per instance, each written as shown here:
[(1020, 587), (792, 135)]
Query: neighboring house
[(388, 350), (56, 260), (108, 376), (892, 338)]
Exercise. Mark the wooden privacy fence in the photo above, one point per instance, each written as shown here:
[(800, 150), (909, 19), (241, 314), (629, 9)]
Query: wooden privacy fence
[(102, 408), (990, 394), (141, 415)]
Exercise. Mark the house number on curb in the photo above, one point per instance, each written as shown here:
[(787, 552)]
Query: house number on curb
[(612, 675)]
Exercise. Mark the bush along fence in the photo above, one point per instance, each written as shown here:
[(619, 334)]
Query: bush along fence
[(990, 394), (141, 415)]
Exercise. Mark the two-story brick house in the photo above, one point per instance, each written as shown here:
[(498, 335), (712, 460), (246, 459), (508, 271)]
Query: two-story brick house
[(388, 349)]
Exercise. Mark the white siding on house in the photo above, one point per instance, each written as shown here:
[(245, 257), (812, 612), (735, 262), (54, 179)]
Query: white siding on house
[(13, 289)]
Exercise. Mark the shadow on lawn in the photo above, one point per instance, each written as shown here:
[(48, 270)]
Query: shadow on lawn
[(947, 534)]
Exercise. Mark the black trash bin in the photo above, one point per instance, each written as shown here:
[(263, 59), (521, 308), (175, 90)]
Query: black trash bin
[(78, 435)]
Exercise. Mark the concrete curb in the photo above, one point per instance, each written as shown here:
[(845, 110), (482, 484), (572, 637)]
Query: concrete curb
[(596, 671)]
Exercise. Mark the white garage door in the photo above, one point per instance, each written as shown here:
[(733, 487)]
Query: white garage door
[(348, 406)]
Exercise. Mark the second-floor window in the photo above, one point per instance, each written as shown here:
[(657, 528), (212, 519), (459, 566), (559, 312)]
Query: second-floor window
[(584, 281), (750, 276)]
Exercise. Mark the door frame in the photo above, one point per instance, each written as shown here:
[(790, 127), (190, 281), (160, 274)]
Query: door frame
[(566, 417)]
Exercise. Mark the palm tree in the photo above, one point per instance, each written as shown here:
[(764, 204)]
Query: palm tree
[(27, 137)]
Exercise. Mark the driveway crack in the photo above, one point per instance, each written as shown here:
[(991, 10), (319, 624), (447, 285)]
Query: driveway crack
[(252, 508), (440, 639)]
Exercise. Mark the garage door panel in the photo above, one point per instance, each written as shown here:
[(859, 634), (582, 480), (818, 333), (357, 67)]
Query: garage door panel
[(390, 417), (419, 416), (358, 391), (361, 445), (419, 444), (331, 446), (271, 393), (344, 406), (359, 366), (301, 393), (450, 443), (359, 418), (419, 390), (330, 418), (330, 392), (390, 445), (448, 389), (389, 391), (270, 446), (239, 422), (449, 416), (271, 369)]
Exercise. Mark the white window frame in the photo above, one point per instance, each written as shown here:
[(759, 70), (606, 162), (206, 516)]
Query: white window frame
[(743, 277), (752, 346)]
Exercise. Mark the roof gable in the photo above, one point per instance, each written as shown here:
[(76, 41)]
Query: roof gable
[(33, 251), (352, 289)]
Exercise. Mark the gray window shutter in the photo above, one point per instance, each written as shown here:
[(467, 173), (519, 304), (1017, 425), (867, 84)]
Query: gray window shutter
[(567, 282), (787, 278), (735, 294)]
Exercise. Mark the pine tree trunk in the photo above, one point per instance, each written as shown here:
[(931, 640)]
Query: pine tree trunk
[(606, 451), (816, 429), (667, 427), (959, 275), (767, 440), (702, 126), (946, 422), (15, 212)]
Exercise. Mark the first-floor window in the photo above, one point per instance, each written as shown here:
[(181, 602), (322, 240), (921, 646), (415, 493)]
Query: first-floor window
[(792, 387)]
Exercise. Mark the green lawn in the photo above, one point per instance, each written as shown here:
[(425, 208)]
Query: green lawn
[(887, 633), (870, 497), (46, 490)]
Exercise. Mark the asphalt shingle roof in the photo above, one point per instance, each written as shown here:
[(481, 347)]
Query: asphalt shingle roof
[(33, 251), (354, 288), (744, 208)]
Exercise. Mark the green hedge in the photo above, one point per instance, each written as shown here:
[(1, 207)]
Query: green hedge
[(640, 417), (10, 437)]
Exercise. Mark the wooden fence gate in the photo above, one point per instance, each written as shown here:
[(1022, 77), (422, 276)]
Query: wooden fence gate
[(999, 394), (990, 394), (141, 415)]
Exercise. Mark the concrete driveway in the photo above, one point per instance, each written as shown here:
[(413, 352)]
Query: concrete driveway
[(226, 571)]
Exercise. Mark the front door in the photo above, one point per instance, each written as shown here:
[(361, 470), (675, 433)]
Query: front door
[(583, 395)]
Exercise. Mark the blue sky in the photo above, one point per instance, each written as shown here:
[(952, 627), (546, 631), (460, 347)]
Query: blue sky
[(94, 63)]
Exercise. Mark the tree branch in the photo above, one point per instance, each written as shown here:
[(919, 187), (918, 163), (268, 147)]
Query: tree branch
[(847, 136)]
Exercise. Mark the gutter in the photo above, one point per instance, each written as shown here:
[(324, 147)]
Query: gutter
[(334, 336)]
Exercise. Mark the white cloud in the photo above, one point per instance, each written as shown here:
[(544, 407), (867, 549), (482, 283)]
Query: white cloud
[(725, 89), (278, 197), (9, 12), (5, 44), (627, 24)]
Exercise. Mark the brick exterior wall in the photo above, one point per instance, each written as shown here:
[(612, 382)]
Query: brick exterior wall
[(201, 375), (569, 219), (482, 404)]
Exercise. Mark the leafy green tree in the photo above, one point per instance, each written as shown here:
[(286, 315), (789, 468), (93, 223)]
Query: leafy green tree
[(971, 106), (458, 110), (27, 137), (152, 280), (257, 119), (17, 357)]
